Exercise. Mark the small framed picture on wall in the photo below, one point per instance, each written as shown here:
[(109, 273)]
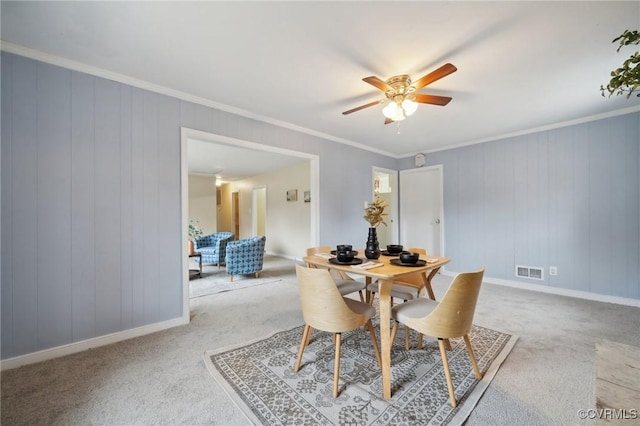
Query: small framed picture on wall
[(292, 195), (307, 196)]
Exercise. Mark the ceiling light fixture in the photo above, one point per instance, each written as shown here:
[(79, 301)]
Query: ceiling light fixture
[(401, 97), (402, 100)]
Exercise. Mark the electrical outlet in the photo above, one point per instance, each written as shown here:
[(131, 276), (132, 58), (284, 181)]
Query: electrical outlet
[(553, 270)]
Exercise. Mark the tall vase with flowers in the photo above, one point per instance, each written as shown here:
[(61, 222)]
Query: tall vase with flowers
[(194, 232), (374, 214)]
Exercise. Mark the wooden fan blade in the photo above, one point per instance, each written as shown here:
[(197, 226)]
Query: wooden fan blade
[(432, 99), (361, 107), (436, 75), (376, 82), (388, 120)]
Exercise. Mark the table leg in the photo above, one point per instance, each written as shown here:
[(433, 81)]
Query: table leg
[(368, 296), (427, 283), (385, 335), (200, 265)]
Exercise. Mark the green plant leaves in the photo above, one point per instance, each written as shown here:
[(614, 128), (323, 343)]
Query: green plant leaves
[(625, 79)]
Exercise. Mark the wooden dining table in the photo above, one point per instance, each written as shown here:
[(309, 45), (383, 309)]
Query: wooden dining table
[(386, 275)]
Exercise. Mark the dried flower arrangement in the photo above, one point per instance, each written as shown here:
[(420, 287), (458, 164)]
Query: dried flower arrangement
[(374, 214)]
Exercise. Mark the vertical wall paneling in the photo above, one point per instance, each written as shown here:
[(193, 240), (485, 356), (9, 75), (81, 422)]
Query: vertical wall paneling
[(139, 256), (450, 221), (203, 118), (150, 227), (470, 207), (498, 207), (600, 244), (188, 115), (6, 218), (619, 207), (581, 213), (107, 202), (539, 187), (519, 168), (560, 189), (83, 238), (633, 204), (568, 197), (23, 202), (53, 253), (169, 219), (126, 205)]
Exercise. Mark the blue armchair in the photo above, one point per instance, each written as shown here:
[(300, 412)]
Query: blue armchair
[(245, 256), (213, 248)]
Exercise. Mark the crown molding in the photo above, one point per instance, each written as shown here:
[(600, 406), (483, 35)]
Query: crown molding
[(145, 85), (558, 125)]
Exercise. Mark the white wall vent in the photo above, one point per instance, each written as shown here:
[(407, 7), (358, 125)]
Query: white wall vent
[(529, 272)]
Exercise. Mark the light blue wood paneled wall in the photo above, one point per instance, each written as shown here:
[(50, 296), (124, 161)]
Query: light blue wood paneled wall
[(91, 238), (567, 197)]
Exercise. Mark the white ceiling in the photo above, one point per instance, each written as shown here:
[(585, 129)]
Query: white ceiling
[(230, 162), (522, 66)]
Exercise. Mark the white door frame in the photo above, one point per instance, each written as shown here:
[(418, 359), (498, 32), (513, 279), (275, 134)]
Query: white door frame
[(439, 169), (314, 185)]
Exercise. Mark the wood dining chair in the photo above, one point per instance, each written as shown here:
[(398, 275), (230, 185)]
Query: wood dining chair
[(346, 284), (325, 309), (451, 317)]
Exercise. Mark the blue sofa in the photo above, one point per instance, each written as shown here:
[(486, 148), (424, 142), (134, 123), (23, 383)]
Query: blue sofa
[(245, 256), (213, 248)]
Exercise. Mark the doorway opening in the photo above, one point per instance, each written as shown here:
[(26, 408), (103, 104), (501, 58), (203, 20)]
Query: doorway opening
[(385, 187), (188, 134)]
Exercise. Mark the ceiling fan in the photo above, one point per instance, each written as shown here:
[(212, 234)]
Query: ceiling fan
[(401, 94)]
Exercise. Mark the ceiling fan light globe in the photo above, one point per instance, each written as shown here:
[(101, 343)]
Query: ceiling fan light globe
[(409, 107), (390, 110), (400, 115), (394, 112)]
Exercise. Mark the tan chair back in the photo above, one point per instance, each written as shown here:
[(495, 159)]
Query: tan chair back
[(323, 307), (337, 275), (453, 316)]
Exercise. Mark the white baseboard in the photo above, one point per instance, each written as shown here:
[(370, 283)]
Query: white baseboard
[(71, 348), (557, 290)]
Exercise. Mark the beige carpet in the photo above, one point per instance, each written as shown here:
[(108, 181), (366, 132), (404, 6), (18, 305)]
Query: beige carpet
[(161, 378), (259, 378), (215, 280)]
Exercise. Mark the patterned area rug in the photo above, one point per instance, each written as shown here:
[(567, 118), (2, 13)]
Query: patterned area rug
[(259, 378)]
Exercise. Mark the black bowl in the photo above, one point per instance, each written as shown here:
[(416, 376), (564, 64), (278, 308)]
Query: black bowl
[(345, 256), (344, 247), (394, 248), (408, 257)]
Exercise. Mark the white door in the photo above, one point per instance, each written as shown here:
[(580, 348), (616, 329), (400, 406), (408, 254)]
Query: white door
[(421, 209)]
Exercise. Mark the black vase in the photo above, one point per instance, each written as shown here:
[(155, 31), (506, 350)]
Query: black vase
[(372, 250)]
